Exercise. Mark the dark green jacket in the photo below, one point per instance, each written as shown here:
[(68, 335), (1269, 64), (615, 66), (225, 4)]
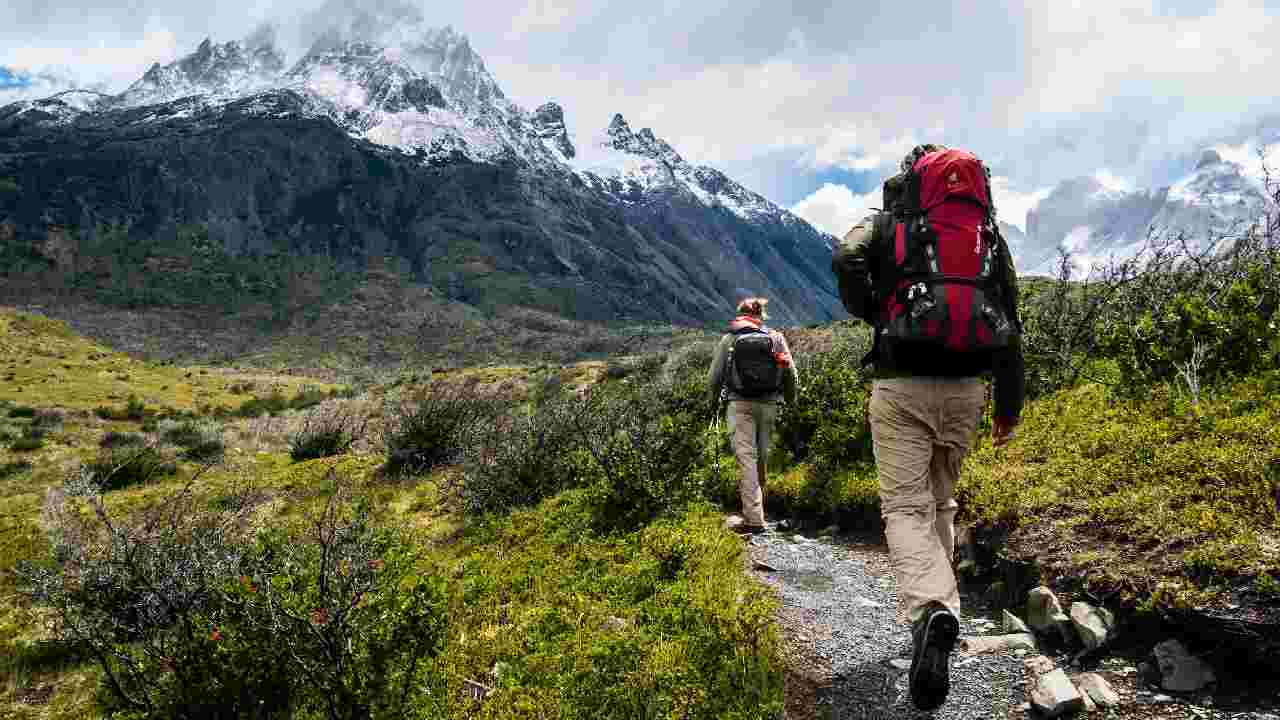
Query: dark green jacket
[(856, 260)]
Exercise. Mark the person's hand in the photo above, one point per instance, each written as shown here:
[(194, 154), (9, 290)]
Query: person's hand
[(1002, 430)]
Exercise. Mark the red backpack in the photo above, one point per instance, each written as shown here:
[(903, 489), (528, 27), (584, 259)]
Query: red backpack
[(943, 284)]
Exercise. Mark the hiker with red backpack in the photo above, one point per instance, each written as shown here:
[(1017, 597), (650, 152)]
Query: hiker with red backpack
[(752, 370), (933, 275)]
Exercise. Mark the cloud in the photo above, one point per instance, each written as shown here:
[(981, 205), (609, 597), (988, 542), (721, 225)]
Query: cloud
[(1042, 89), (1012, 204), (835, 208)]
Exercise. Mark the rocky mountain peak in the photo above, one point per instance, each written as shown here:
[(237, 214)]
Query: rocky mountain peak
[(1208, 159), (548, 124), (226, 69), (643, 143)]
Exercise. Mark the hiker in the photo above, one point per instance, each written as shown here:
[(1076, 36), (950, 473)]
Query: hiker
[(932, 274), (752, 370)]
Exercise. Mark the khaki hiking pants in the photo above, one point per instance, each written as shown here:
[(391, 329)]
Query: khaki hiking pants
[(750, 427), (921, 429)]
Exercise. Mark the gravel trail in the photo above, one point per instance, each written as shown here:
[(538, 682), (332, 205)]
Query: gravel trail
[(847, 652)]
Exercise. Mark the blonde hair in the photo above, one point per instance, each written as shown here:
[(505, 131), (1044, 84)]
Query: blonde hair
[(754, 306)]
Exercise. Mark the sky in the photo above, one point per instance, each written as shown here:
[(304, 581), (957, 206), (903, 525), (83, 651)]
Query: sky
[(810, 103)]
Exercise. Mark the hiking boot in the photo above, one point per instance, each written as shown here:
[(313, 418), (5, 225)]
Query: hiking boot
[(745, 529), (934, 636)]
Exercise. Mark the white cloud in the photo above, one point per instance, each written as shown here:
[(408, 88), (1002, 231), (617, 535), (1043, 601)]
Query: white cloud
[(835, 208), (1012, 204)]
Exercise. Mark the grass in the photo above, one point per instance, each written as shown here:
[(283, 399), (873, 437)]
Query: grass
[(1179, 499), (44, 363)]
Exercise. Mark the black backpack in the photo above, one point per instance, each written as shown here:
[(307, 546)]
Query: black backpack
[(753, 368)]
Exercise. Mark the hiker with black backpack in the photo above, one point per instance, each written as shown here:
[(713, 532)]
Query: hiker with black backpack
[(752, 370), (933, 275)]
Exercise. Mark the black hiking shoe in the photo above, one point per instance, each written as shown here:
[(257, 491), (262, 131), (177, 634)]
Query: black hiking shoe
[(745, 529), (934, 636)]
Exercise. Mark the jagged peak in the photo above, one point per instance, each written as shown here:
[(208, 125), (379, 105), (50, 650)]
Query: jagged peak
[(1208, 158)]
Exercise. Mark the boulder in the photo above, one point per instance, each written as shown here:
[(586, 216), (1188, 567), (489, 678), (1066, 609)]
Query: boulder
[(1038, 665), (1096, 688), (1092, 624), (1180, 671), (1013, 623), (1045, 615), (1055, 695), (984, 644)]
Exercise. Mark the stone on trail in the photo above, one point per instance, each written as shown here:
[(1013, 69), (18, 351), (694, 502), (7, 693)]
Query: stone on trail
[(1045, 615), (1055, 695), (984, 644), (1180, 671), (1013, 623), (1096, 688), (1092, 624), (1038, 665), (901, 663)]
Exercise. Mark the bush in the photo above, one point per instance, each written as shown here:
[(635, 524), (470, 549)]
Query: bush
[(135, 409), (22, 411), (517, 459), (187, 619), (115, 439), (325, 434), (32, 439), (202, 441), (646, 442), (11, 469), (827, 424), (434, 431), (257, 406), (121, 467)]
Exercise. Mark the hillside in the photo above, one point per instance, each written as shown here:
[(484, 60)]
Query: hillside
[(392, 142)]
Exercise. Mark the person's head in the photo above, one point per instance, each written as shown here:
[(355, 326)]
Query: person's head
[(754, 307)]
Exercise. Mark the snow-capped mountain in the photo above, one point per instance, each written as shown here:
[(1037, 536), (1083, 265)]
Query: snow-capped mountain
[(419, 104), (1220, 192)]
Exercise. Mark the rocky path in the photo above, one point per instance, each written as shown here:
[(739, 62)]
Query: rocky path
[(848, 655)]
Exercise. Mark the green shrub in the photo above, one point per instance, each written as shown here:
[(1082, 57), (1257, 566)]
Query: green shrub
[(257, 406), (135, 409), (434, 431), (519, 458), (32, 439), (827, 425), (113, 439), (10, 469), (200, 622), (201, 440), (22, 411), (646, 442), (120, 467), (325, 434)]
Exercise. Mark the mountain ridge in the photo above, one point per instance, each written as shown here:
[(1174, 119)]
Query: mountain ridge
[(599, 228)]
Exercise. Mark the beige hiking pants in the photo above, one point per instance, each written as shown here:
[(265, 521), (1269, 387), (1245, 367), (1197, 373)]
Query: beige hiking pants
[(750, 427), (921, 429)]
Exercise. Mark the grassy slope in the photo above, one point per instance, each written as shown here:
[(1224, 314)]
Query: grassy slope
[(1167, 503), (651, 623), (1162, 503)]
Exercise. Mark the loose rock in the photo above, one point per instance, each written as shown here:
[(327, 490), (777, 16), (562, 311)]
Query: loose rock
[(1091, 624), (1038, 665), (1180, 671), (983, 644), (1013, 623), (1096, 687), (1055, 695)]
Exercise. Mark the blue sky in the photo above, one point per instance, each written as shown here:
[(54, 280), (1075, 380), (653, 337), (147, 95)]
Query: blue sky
[(809, 102), (10, 79)]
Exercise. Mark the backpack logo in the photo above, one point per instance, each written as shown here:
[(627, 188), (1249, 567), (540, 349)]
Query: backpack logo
[(953, 179)]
